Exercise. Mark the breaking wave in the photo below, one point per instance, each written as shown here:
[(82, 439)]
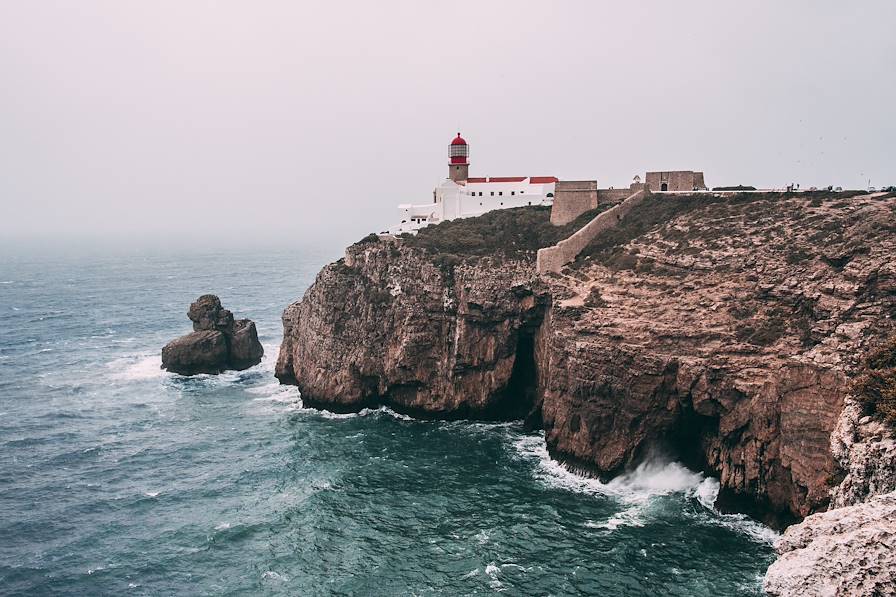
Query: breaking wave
[(636, 489), (137, 367), (654, 477)]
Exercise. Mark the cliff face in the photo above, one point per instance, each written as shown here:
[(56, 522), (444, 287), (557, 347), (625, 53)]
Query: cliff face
[(725, 330), (722, 330), (387, 325)]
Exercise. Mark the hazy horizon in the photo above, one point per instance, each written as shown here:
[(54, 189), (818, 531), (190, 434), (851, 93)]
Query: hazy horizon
[(228, 124)]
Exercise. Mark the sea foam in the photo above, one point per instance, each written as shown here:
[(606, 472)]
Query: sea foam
[(635, 489), (137, 367), (654, 477)]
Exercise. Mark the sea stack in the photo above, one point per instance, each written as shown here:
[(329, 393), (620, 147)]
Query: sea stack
[(217, 343)]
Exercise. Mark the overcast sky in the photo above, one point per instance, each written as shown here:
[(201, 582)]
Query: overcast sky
[(229, 122)]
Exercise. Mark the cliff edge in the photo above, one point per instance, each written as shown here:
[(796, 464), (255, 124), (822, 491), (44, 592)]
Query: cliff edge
[(723, 329)]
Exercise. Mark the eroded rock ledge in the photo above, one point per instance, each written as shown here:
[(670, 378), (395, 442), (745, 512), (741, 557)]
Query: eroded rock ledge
[(722, 329)]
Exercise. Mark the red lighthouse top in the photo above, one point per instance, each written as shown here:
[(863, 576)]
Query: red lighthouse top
[(458, 151)]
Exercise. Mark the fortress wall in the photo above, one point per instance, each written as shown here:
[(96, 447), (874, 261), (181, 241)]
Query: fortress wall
[(552, 259), (698, 180), (612, 195), (572, 198), (677, 180)]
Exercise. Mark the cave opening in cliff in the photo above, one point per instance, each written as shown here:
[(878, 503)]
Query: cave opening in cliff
[(519, 396), (687, 437)]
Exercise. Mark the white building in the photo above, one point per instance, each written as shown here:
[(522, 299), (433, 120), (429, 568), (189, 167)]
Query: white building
[(461, 196)]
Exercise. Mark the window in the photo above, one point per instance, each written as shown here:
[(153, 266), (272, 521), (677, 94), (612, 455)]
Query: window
[(512, 193), (502, 203), (480, 193), (493, 193), (501, 194)]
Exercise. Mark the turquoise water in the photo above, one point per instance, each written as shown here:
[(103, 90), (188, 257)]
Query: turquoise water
[(117, 478)]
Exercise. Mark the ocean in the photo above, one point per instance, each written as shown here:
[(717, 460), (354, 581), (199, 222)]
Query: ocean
[(117, 478)]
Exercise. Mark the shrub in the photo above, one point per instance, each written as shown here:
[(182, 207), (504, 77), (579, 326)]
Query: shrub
[(370, 239), (446, 261), (620, 261), (594, 298), (379, 296), (515, 232), (875, 385)]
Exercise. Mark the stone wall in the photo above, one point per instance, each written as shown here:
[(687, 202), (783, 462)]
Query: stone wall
[(676, 180), (552, 259), (572, 198), (611, 196)]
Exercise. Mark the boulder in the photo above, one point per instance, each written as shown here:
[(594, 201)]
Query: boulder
[(206, 313), (217, 343), (197, 352), (245, 349)]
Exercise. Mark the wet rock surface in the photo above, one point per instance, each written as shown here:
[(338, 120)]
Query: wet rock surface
[(217, 343)]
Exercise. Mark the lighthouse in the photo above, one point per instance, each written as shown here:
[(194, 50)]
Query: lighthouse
[(458, 159), (460, 196)]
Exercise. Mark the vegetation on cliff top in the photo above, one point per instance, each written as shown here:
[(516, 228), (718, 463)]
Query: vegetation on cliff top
[(517, 232), (875, 385), (658, 210)]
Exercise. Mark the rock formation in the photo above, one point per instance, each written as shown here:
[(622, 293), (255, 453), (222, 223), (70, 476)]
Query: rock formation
[(865, 450), (846, 551), (722, 329), (388, 326), (217, 343)]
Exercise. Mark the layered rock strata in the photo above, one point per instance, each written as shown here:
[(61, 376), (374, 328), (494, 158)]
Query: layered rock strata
[(217, 343), (723, 330)]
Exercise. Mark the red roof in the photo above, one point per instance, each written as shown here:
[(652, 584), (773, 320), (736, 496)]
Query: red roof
[(458, 140), (532, 179)]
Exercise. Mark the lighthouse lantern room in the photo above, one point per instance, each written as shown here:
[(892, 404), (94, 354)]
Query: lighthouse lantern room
[(458, 159)]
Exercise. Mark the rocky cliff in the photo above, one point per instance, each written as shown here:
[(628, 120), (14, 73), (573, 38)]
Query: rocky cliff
[(723, 330), (847, 551), (387, 325)]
